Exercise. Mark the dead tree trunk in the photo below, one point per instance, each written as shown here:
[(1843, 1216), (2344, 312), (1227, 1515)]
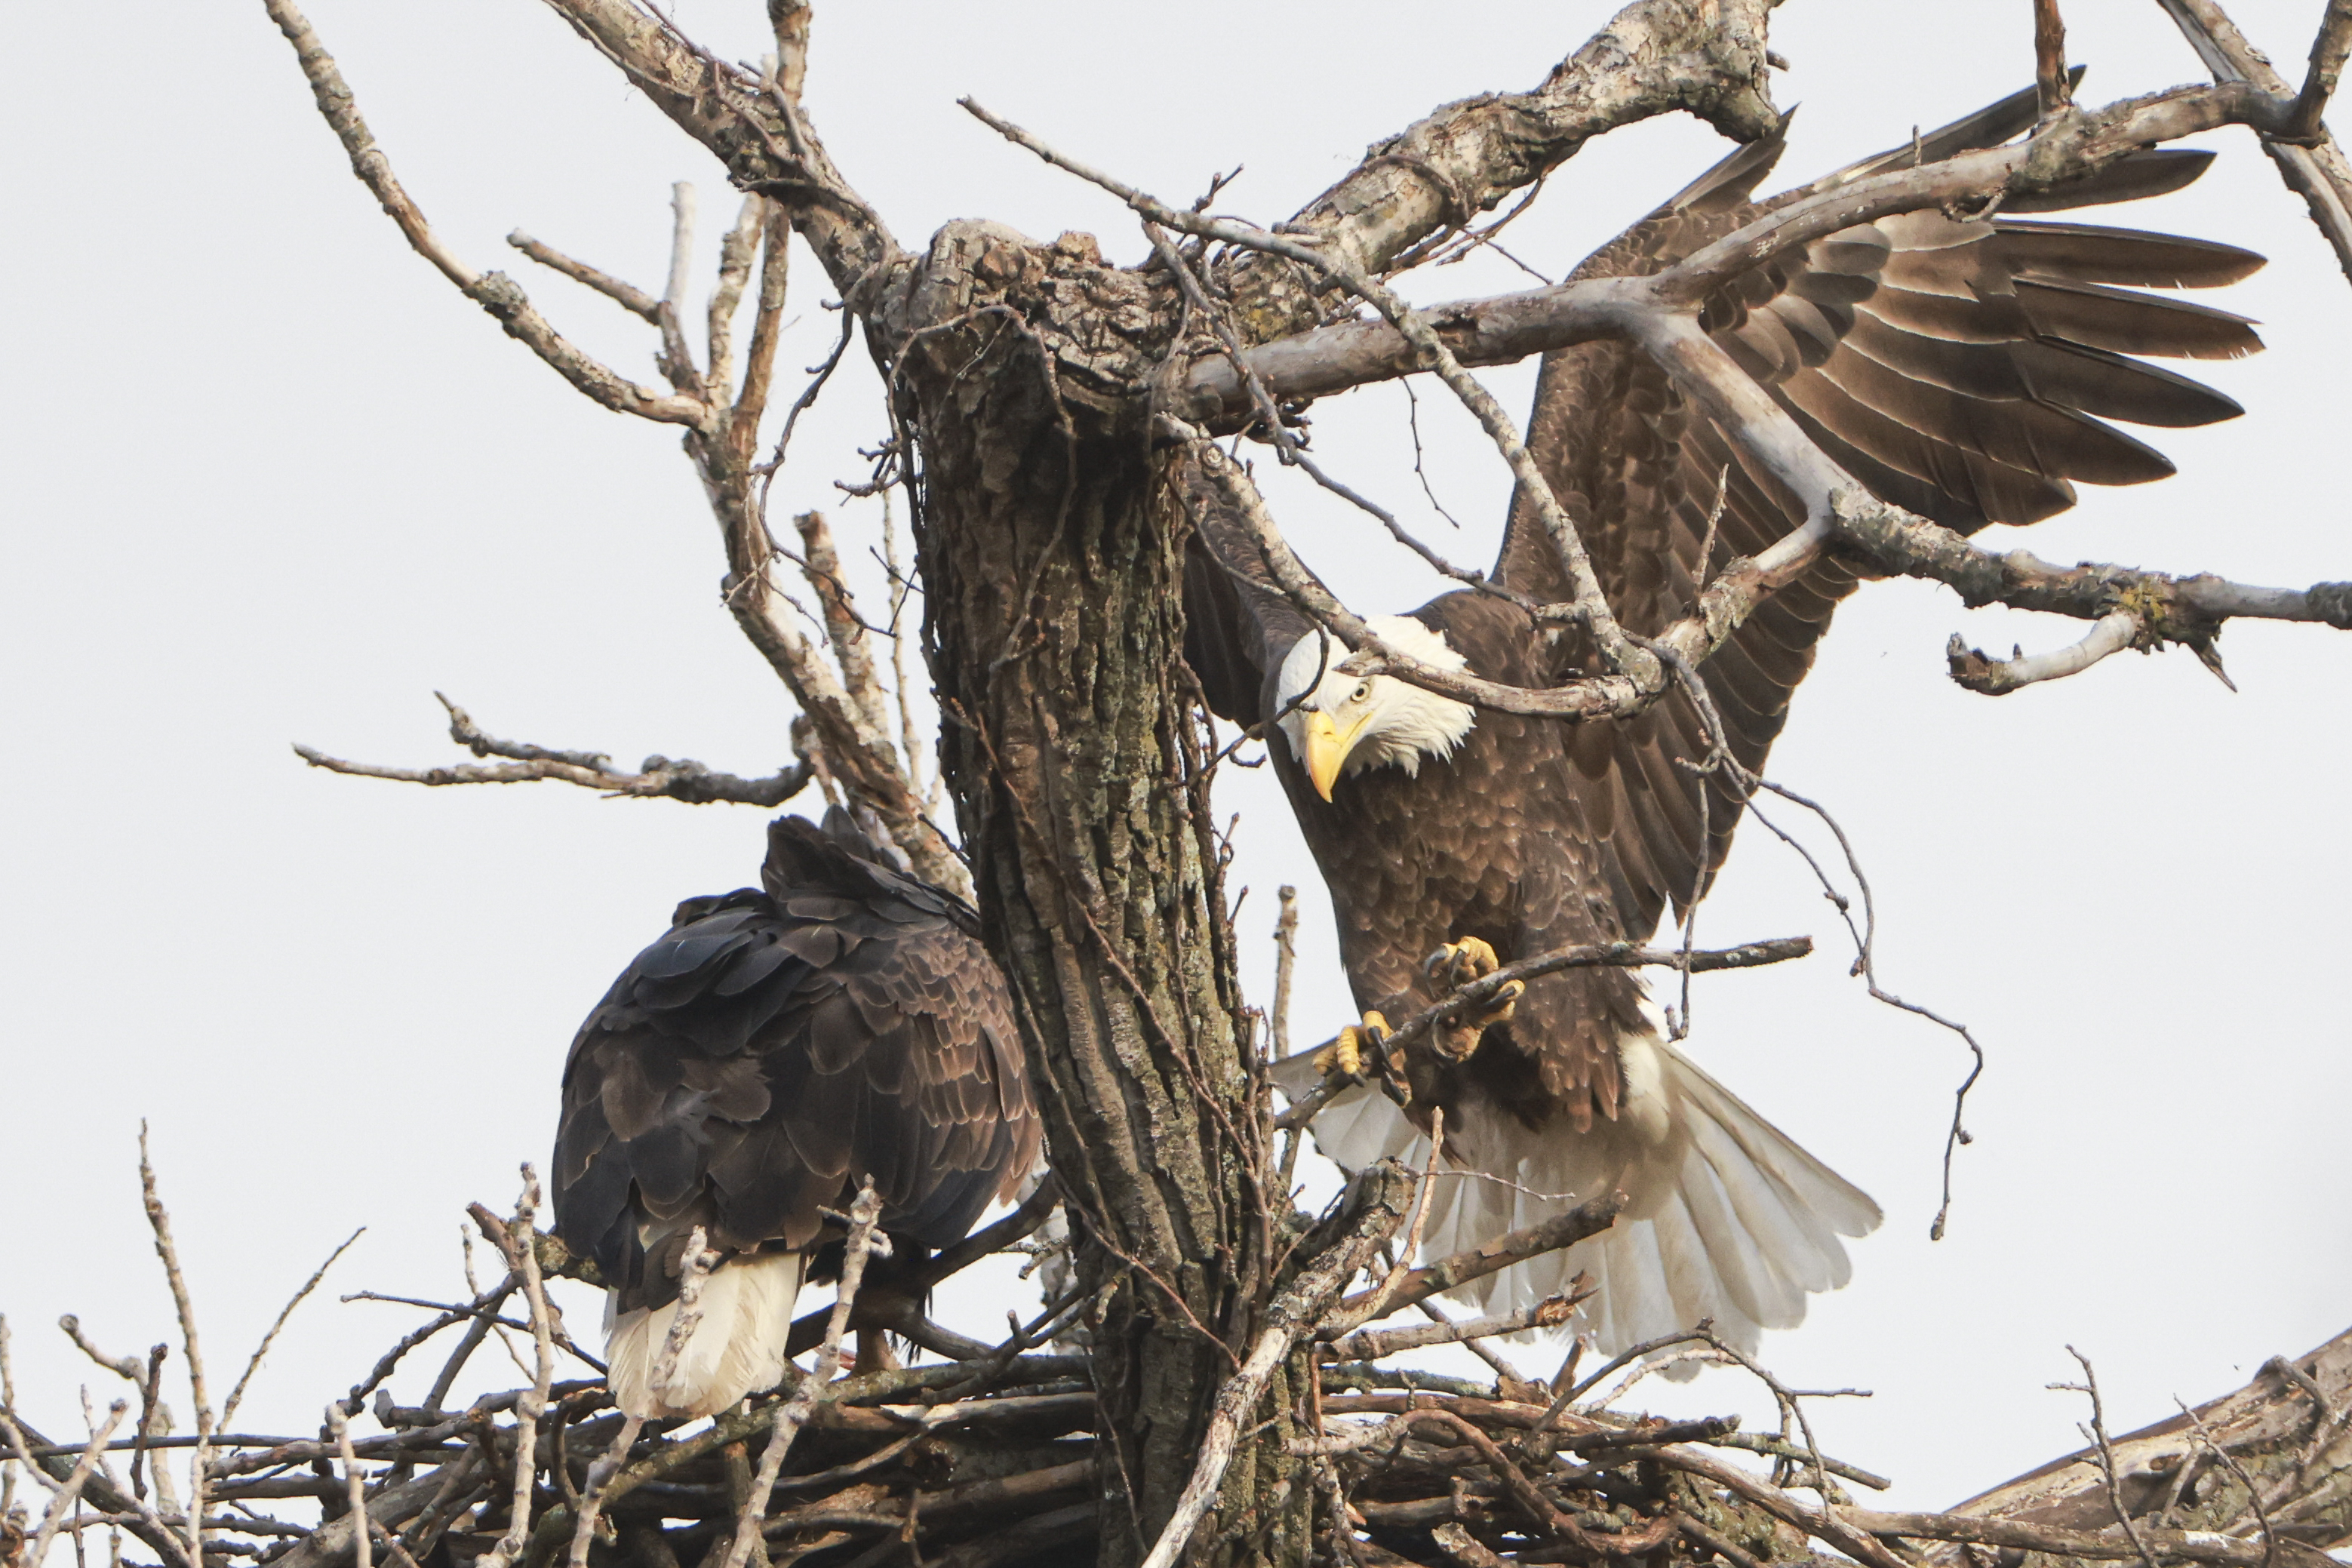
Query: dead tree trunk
[(1072, 753)]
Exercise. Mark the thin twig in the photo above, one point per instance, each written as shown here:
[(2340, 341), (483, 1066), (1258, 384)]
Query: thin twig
[(124, 1367), (2053, 93), (522, 1264), (494, 292), (67, 1496), (159, 1220), (2238, 1472), (236, 1394), (600, 1476), (355, 1488), (865, 1214), (1375, 1303), (628, 296), (2097, 1433)]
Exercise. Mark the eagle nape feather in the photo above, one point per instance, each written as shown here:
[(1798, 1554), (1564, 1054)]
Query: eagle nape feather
[(747, 1073)]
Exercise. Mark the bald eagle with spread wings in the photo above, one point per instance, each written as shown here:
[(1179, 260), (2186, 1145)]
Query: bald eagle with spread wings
[(1962, 367), (777, 1047)]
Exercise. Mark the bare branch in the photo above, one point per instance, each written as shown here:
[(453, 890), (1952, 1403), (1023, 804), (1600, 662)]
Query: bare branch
[(767, 330), (8, 1406), (844, 629), (2052, 92), (1463, 1547), (2327, 53), (790, 18), (1372, 1344), (1825, 1521), (860, 755), (676, 359), (355, 1488), (2174, 608), (1514, 326), (735, 256), (2189, 1545), (628, 296), (722, 107), (494, 292), (659, 777), (1474, 995), (2318, 174), (1285, 960), (1587, 1219), (600, 1477), (2111, 634), (1374, 1303), (1651, 58)]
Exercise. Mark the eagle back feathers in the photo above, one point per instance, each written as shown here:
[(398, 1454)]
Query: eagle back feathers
[(774, 1047)]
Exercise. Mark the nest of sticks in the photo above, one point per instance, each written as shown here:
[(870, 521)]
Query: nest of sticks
[(988, 1456)]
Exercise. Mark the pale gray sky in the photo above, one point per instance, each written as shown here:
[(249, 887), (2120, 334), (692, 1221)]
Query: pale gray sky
[(270, 480)]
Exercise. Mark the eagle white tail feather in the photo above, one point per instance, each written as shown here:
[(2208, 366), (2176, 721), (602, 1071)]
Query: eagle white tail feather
[(1727, 1217), (736, 1348)]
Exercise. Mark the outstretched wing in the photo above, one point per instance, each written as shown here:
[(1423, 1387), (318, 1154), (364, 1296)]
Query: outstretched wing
[(1965, 370), (774, 1050)]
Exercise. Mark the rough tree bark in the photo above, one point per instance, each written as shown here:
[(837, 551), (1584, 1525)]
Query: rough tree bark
[(1075, 759)]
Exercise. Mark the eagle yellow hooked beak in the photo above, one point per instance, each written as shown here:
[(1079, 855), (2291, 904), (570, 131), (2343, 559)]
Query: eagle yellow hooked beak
[(1328, 746)]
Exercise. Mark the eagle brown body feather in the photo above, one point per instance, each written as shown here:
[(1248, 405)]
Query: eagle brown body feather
[(1963, 369), (778, 1046), (1532, 886)]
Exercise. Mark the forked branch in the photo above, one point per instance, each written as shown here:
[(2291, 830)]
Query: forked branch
[(2308, 158)]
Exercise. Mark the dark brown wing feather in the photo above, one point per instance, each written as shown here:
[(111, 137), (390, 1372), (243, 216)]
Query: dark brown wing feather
[(775, 1047), (1963, 369)]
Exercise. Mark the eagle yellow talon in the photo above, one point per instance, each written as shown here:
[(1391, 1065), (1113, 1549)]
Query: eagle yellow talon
[(1463, 962), (1459, 962), (1504, 1003), (1356, 1041)]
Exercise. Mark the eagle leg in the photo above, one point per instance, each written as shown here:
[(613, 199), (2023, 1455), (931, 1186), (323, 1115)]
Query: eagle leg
[(1459, 963), (1356, 1044)]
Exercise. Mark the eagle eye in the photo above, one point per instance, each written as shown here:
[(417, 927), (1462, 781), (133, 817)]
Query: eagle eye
[(1364, 690)]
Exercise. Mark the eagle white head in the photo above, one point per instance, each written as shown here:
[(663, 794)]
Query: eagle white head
[(1339, 723)]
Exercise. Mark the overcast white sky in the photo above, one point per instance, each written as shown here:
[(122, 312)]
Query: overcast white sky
[(269, 480)]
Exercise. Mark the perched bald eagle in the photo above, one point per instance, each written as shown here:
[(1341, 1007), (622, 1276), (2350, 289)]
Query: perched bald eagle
[(1962, 368), (748, 1070)]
